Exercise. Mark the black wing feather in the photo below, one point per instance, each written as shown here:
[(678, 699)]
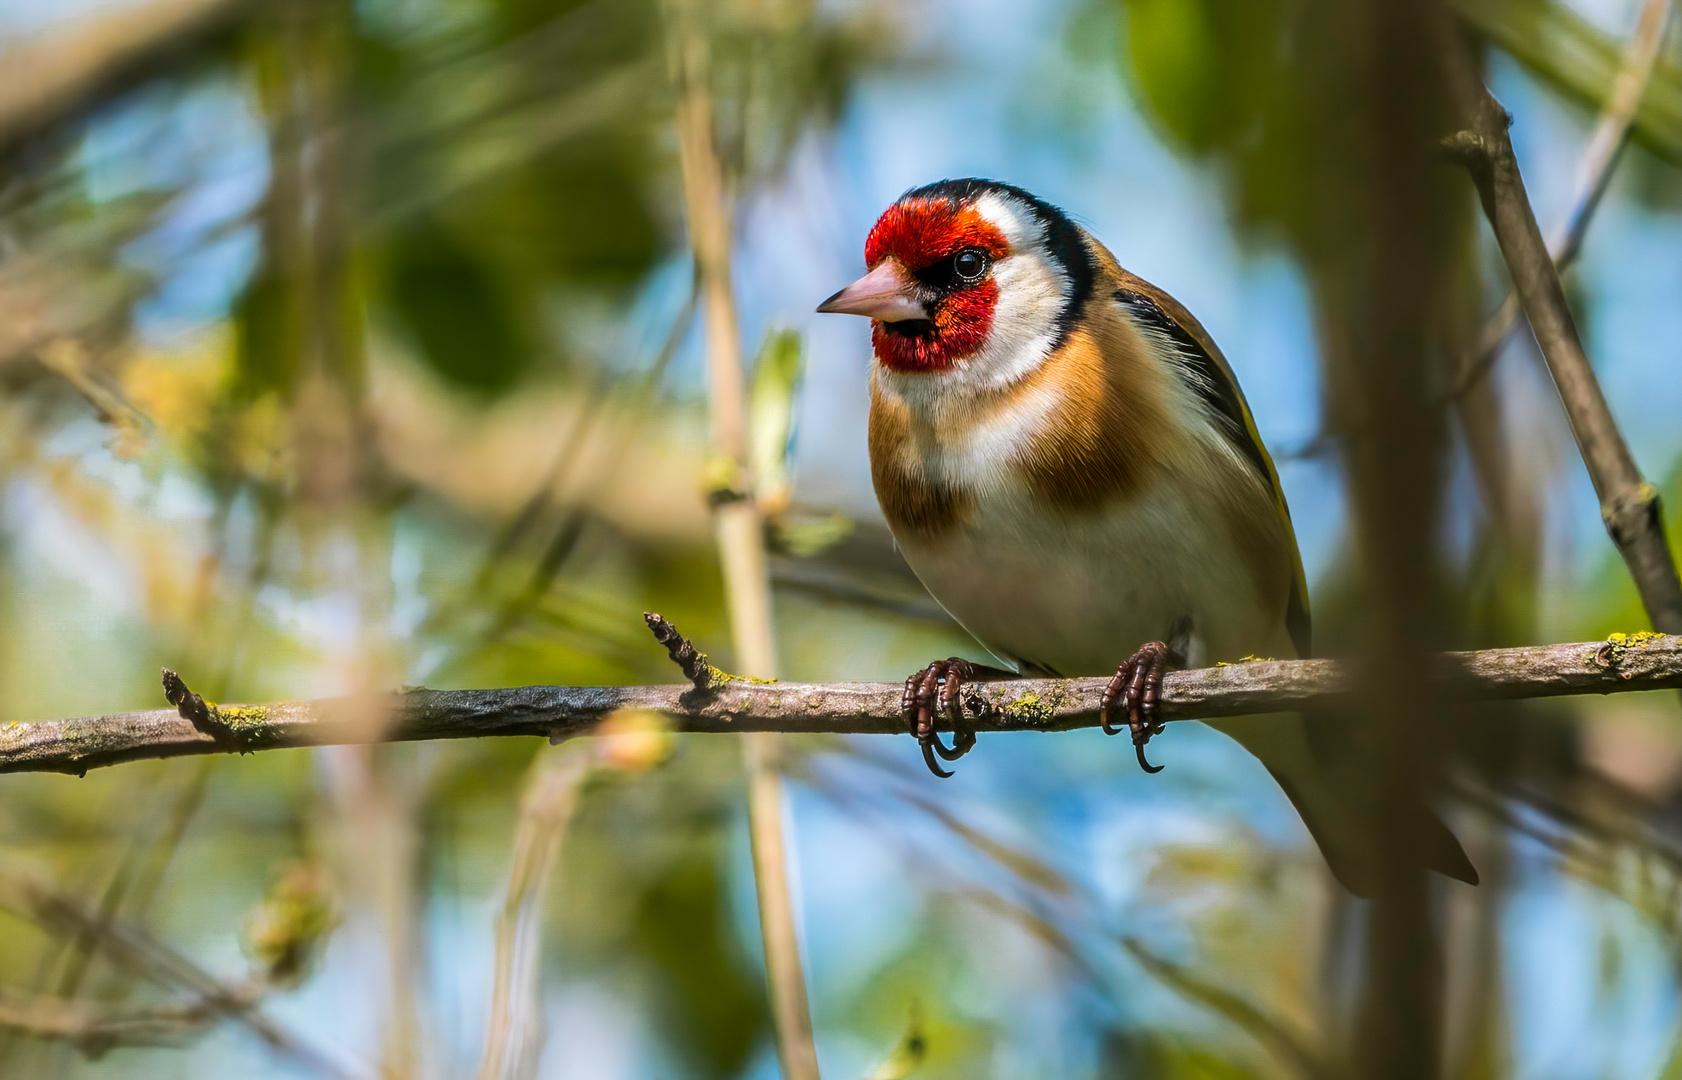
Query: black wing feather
[(1209, 379)]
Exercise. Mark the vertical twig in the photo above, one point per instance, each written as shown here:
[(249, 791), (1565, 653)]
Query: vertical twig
[(1629, 505), (1594, 175), (306, 76), (739, 530), (513, 1035)]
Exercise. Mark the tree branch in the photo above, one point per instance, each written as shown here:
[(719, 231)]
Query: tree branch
[(131, 948), (1594, 176), (1571, 56), (94, 1031), (1628, 503), (65, 74), (1620, 664)]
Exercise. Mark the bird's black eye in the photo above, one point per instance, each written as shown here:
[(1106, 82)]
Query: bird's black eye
[(969, 264)]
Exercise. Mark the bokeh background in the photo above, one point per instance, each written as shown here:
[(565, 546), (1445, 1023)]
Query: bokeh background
[(353, 344)]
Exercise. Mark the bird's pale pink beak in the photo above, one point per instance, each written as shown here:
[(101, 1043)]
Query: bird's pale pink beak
[(887, 293)]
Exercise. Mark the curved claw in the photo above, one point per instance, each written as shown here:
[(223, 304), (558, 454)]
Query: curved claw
[(932, 692), (962, 743), (1137, 685)]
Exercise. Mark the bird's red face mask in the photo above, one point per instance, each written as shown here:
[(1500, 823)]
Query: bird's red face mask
[(930, 290)]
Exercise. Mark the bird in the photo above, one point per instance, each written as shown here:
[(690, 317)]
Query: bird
[(1066, 461)]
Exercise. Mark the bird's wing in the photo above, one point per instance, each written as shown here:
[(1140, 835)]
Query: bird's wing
[(1206, 371)]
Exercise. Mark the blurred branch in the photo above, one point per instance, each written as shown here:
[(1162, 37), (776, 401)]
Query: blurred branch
[(860, 566), (61, 76), (514, 1037), (1290, 1047), (127, 946), (1627, 502), (95, 1031), (738, 523), (1619, 664), (1629, 505), (1594, 175)]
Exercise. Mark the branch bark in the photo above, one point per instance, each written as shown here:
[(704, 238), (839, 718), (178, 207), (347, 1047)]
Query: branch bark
[(1594, 176), (1629, 504), (1617, 665)]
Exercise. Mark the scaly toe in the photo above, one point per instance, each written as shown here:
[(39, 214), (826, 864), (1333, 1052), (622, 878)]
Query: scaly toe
[(934, 691)]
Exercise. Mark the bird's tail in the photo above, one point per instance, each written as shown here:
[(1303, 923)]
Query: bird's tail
[(1333, 793)]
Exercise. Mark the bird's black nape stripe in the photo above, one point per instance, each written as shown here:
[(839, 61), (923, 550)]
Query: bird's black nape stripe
[(1063, 239), (1208, 379)]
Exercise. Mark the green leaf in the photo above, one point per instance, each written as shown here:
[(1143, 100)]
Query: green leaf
[(1203, 68), (775, 383)]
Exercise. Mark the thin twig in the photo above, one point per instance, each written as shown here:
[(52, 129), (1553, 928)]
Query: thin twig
[(514, 1035), (1594, 176), (1617, 665), (1628, 503), (129, 947), (96, 1031), (1569, 54), (738, 525), (689, 660)]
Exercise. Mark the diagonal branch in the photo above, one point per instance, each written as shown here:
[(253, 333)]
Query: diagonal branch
[(1628, 503), (1594, 176), (95, 1031), (131, 948), (1293, 1048), (515, 1026), (1619, 664), (62, 76)]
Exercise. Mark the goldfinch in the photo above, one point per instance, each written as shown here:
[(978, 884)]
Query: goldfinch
[(1069, 466)]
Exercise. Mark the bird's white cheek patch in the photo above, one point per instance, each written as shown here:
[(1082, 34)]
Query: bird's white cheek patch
[(1031, 296)]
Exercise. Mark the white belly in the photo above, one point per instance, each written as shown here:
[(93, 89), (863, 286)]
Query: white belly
[(1076, 594)]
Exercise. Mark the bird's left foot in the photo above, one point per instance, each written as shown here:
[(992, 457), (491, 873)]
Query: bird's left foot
[(935, 691), (1137, 687)]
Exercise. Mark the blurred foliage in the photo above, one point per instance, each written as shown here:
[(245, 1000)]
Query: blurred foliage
[(654, 911), (284, 932), (458, 204)]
